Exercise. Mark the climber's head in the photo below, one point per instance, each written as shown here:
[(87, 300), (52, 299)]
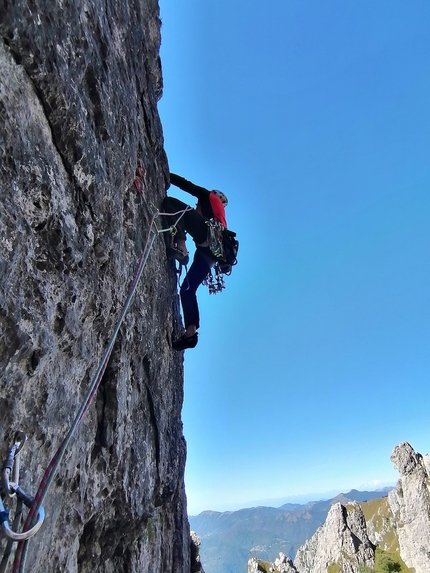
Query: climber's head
[(222, 196)]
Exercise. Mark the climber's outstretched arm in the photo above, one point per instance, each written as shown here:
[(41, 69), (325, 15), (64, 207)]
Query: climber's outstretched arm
[(185, 185)]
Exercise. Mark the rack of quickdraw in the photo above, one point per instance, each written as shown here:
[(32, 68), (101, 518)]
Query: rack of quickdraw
[(215, 282), (11, 492)]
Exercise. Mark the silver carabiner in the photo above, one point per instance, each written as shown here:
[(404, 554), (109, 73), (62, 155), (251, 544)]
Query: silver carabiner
[(20, 439), (11, 464)]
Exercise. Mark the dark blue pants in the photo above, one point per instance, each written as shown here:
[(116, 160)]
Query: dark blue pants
[(200, 267)]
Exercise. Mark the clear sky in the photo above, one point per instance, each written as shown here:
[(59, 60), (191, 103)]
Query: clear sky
[(313, 116)]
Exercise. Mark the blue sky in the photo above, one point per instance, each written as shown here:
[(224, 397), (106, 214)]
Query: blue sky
[(314, 118)]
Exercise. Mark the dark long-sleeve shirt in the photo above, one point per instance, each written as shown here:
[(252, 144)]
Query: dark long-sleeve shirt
[(209, 204)]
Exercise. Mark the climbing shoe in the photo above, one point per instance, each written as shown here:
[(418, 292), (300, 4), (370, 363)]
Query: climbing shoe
[(185, 342), (174, 253)]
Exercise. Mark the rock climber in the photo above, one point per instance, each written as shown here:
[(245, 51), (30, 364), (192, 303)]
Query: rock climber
[(210, 206)]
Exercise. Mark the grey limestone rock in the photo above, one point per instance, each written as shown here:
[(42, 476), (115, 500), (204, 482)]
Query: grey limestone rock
[(342, 540), (282, 564), (79, 84), (196, 564), (410, 504), (253, 565), (426, 462)]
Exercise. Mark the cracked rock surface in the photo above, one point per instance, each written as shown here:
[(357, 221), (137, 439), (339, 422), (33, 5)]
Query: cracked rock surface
[(79, 85)]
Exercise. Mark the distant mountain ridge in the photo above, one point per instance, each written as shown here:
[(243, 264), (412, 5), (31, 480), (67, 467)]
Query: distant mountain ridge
[(230, 538)]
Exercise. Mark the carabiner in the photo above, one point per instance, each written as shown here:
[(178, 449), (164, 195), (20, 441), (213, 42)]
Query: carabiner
[(7, 531), (11, 464)]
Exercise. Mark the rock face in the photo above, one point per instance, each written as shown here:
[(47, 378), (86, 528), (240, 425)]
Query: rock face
[(410, 504), (79, 84), (342, 541)]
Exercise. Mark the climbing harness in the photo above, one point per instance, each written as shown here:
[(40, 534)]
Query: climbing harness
[(216, 243), (173, 230), (215, 282), (10, 490), (36, 514)]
